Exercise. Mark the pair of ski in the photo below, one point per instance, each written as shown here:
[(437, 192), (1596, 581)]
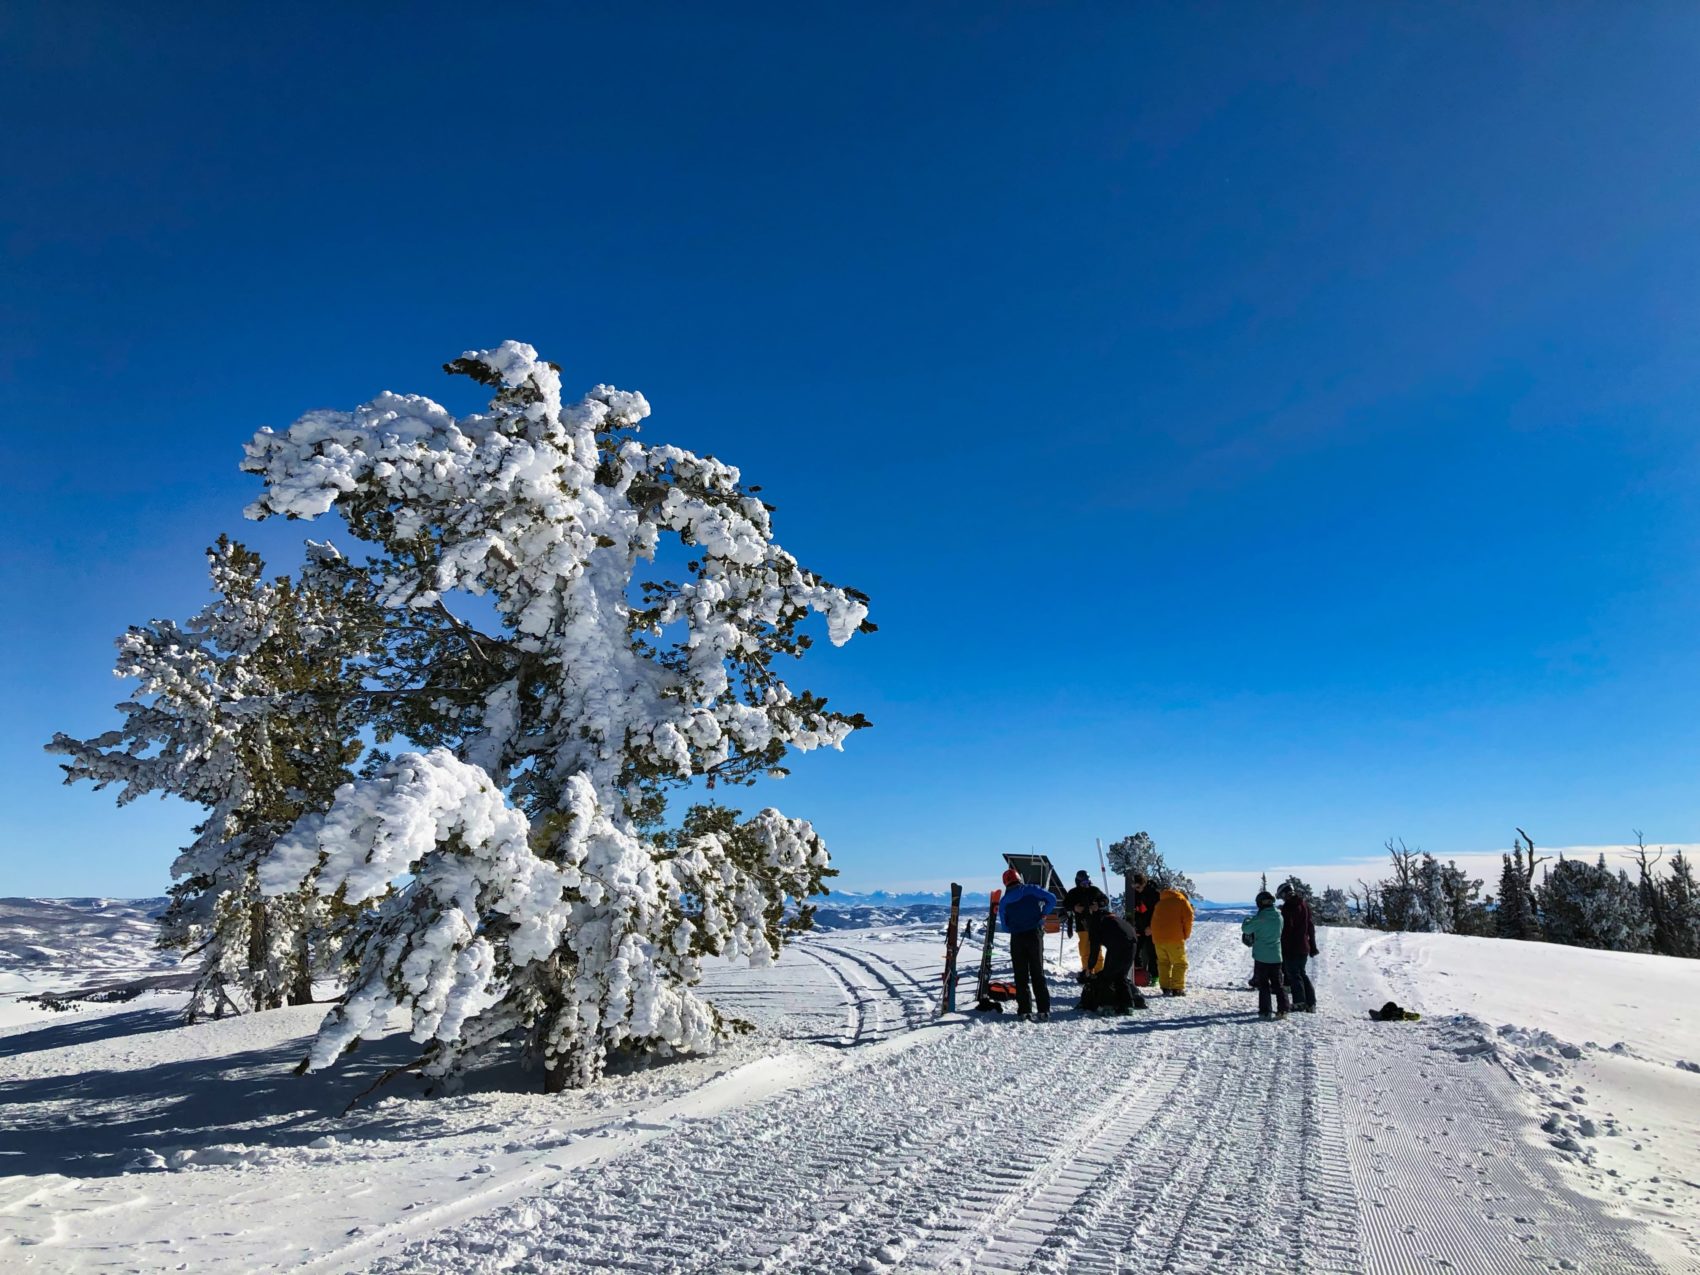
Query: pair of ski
[(983, 993)]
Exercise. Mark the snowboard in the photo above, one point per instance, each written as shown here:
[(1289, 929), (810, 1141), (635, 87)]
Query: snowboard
[(947, 1003), (983, 993)]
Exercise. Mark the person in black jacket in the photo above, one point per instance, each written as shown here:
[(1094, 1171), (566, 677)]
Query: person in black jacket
[(1139, 909), (1079, 905), (1298, 943), (1111, 988)]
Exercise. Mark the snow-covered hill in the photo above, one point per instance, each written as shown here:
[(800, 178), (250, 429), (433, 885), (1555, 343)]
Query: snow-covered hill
[(91, 945), (78, 934), (1541, 1116)]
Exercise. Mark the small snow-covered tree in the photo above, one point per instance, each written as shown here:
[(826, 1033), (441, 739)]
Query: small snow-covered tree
[(1410, 899), (1139, 853), (1465, 911), (1333, 908), (243, 710), (1514, 915), (1433, 904), (1131, 855), (1588, 905), (642, 608), (1679, 910)]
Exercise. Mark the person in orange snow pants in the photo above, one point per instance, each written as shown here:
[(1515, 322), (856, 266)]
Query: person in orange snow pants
[(1171, 927)]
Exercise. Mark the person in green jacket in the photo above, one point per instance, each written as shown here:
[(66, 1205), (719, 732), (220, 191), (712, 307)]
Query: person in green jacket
[(1262, 934)]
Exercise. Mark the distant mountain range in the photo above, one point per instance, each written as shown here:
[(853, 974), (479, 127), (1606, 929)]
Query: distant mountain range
[(901, 898)]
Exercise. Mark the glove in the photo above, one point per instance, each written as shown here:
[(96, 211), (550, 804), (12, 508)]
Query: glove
[(1248, 940), (1313, 951)]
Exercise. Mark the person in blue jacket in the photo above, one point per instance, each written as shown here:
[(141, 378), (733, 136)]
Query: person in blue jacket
[(1022, 913)]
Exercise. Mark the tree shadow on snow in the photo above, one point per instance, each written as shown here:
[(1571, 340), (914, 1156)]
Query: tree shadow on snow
[(76, 1029), (93, 1123)]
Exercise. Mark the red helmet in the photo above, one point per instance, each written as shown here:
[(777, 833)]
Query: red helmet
[(1011, 877)]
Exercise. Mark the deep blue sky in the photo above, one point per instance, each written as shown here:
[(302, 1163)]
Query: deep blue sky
[(1272, 426)]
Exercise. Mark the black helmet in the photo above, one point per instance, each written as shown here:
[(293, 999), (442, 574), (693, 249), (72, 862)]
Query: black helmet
[(1284, 889), (1265, 899)]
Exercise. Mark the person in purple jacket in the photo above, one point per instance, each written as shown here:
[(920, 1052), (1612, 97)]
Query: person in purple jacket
[(1298, 943)]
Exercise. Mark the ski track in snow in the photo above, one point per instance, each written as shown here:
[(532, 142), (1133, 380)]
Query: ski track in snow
[(1188, 1138)]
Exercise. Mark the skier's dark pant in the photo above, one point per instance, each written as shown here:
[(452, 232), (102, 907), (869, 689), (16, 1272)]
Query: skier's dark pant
[(1146, 958), (1269, 981), (1027, 951), (1304, 993), (1117, 981)]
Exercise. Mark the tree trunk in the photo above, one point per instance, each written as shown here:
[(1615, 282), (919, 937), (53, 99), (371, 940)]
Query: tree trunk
[(301, 980), (259, 991)]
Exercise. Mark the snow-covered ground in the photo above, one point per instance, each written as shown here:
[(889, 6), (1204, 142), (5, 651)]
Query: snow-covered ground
[(1543, 1115)]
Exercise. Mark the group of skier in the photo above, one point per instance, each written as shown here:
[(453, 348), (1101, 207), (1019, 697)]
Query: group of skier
[(1146, 945)]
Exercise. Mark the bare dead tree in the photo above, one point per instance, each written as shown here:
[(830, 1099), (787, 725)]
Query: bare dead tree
[(1652, 902), (1528, 844), (1404, 862), (1647, 865)]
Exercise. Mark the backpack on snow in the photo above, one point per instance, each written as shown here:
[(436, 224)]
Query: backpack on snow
[(1394, 1013), (996, 993), (1107, 991)]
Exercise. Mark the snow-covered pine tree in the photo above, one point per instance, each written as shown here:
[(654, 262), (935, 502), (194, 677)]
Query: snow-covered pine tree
[(1465, 911), (1410, 898), (243, 710), (1431, 892), (1679, 910), (541, 897), (1587, 905), (1333, 907), (1139, 853), (1514, 914)]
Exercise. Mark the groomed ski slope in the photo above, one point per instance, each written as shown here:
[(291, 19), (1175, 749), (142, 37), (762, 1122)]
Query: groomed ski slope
[(855, 1132), (1194, 1137)]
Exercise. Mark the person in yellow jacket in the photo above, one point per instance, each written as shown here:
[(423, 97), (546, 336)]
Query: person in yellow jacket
[(1171, 927)]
